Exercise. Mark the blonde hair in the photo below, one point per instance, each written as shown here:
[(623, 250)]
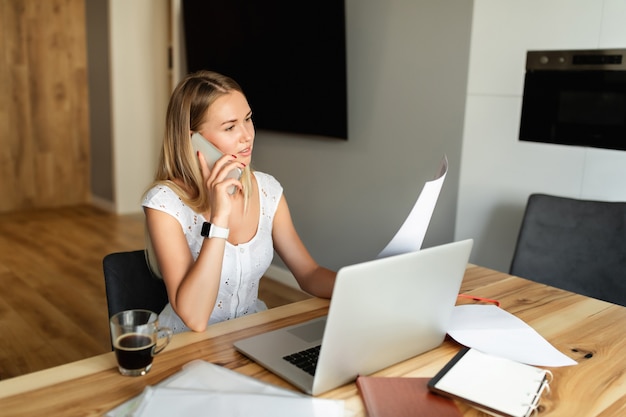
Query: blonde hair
[(186, 112)]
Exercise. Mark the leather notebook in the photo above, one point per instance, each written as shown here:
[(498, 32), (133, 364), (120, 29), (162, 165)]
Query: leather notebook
[(403, 397)]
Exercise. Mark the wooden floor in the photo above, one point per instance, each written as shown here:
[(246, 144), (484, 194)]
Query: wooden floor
[(52, 299)]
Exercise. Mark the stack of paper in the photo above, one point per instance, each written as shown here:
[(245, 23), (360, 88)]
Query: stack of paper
[(202, 386)]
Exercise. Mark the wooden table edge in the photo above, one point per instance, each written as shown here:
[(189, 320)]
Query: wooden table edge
[(36, 380)]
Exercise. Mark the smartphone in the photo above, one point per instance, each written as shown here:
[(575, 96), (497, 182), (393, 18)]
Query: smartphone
[(211, 155)]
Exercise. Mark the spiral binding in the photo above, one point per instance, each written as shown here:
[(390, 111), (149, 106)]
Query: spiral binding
[(545, 386)]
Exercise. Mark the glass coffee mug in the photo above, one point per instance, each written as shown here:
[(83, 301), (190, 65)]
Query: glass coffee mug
[(137, 337)]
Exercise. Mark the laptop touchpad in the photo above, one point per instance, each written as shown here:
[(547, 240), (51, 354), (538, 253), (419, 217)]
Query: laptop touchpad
[(310, 332)]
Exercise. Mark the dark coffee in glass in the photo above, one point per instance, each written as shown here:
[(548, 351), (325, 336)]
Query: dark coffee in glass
[(135, 335), (134, 351)]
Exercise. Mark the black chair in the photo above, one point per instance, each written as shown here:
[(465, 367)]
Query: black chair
[(130, 284), (576, 245)]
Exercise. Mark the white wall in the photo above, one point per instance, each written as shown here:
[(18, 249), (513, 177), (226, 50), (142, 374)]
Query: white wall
[(498, 172), (139, 93), (407, 70)]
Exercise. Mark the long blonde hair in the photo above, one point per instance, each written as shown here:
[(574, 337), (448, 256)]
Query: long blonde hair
[(186, 112)]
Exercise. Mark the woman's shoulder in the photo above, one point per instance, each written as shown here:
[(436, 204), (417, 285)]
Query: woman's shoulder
[(163, 197), (267, 181), (159, 192)]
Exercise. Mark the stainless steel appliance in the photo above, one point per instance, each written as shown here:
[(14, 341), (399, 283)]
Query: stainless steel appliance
[(575, 98)]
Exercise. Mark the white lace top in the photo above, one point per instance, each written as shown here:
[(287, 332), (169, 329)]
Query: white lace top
[(243, 264)]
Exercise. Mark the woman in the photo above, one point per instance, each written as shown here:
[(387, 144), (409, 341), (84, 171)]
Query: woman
[(212, 270)]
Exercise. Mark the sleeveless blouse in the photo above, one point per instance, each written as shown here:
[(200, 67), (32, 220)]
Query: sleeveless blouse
[(243, 265)]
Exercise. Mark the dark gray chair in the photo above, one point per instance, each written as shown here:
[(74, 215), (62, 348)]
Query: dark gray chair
[(130, 284), (576, 245)]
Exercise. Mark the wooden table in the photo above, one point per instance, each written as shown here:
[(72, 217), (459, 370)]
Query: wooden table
[(590, 331)]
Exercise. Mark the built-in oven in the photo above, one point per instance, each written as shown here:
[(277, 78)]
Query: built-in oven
[(575, 98)]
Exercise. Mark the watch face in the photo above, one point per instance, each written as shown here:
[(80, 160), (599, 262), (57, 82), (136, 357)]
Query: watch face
[(208, 230), (206, 227)]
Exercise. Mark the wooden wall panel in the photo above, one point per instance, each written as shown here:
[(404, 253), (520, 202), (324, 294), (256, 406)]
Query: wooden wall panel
[(44, 125)]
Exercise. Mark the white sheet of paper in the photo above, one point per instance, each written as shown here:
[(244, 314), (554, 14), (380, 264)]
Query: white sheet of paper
[(490, 329), (167, 402), (203, 375), (411, 234), (203, 384)]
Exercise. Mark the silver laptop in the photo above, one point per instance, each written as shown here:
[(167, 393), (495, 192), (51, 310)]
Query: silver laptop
[(382, 312)]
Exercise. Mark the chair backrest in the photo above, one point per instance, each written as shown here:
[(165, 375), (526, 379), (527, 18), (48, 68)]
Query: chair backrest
[(576, 245), (130, 284)]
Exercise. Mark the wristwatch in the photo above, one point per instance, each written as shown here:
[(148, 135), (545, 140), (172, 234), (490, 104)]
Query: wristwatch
[(210, 230)]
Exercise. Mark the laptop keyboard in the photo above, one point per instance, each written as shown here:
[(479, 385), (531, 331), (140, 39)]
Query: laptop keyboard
[(305, 359)]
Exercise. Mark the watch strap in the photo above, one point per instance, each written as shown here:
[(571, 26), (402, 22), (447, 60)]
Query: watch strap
[(210, 230)]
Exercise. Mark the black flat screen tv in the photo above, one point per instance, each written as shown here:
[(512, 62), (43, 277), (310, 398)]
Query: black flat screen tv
[(288, 56)]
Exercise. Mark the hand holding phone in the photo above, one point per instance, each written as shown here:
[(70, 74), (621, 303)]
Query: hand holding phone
[(211, 155)]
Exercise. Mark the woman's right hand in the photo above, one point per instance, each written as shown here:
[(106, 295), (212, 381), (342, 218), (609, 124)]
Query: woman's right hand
[(218, 184)]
